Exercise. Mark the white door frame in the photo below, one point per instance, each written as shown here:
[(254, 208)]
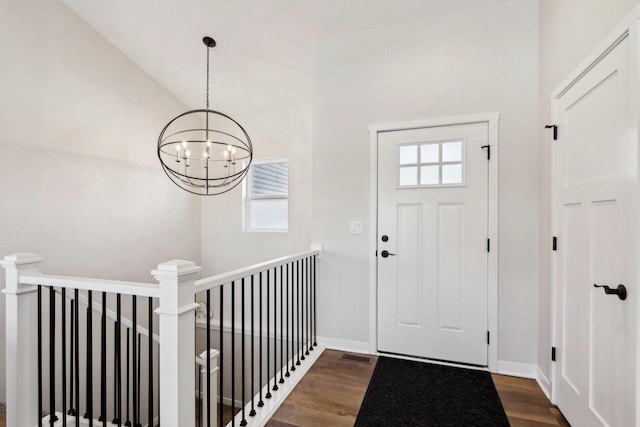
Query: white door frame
[(492, 203), (628, 28)]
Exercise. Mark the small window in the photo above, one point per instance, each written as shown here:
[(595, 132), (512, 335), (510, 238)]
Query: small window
[(431, 164), (268, 196)]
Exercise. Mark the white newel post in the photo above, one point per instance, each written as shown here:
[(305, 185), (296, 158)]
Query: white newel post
[(21, 340), (176, 313), (212, 379)]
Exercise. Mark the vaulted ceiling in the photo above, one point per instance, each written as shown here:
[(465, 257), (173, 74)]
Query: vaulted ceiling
[(264, 57)]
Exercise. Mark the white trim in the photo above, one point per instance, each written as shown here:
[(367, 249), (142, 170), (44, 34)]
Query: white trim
[(220, 279), (492, 119), (543, 382), (435, 122), (246, 197), (433, 362), (345, 345), (90, 284), (513, 369), (598, 53), (227, 401), (71, 421), (270, 407), (492, 231)]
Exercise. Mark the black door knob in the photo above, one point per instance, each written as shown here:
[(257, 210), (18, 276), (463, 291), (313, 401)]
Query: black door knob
[(386, 253)]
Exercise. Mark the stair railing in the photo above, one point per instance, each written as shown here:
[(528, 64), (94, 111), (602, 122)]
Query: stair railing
[(262, 321), (274, 317)]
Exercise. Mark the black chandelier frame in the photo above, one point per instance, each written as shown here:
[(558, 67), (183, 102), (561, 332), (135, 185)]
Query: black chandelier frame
[(239, 149)]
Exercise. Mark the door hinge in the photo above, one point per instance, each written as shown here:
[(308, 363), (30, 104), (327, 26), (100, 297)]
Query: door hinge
[(555, 131), (488, 147), (554, 245), (488, 245), (488, 337), (553, 354)]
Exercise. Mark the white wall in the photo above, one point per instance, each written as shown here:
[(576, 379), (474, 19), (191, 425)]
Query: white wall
[(569, 31), (478, 61), (80, 183), (285, 133)]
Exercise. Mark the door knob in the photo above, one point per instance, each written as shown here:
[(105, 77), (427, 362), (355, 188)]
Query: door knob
[(620, 290), (386, 253)]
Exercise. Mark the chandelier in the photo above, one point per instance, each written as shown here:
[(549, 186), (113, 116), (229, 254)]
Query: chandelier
[(203, 151)]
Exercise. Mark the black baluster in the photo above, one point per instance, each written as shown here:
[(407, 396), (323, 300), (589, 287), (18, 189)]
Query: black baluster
[(311, 313), (208, 402), (315, 315), (298, 341), (287, 374), (199, 391), (268, 395), (221, 391), (233, 353), (52, 356), (103, 362), (150, 422), (134, 338), (275, 329), (64, 357), (291, 306), (281, 326), (244, 420), (138, 424), (118, 363), (308, 306), (128, 377), (304, 270), (252, 413), (260, 402), (115, 374), (76, 297), (71, 411), (89, 413), (40, 385)]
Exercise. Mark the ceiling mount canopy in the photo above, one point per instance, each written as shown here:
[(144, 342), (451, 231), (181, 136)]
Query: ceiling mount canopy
[(203, 151)]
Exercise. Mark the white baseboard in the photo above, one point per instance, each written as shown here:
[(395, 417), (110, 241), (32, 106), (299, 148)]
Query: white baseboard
[(522, 370), (544, 383), (345, 345), (227, 401)]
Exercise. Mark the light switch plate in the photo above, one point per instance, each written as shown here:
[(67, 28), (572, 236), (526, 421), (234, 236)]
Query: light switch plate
[(355, 227)]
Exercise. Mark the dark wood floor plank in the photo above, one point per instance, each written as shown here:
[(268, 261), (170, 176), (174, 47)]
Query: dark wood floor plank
[(330, 393)]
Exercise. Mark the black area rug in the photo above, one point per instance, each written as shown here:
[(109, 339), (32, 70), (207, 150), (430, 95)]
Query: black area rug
[(407, 393)]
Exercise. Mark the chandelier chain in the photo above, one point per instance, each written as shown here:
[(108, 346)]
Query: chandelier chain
[(208, 49)]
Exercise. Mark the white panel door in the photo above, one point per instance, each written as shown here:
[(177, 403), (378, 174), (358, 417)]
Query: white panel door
[(432, 243), (595, 175)]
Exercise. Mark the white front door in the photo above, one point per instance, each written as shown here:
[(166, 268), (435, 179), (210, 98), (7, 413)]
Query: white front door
[(432, 243), (595, 180)]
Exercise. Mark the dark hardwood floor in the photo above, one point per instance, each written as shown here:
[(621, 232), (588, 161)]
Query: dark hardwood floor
[(332, 391)]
